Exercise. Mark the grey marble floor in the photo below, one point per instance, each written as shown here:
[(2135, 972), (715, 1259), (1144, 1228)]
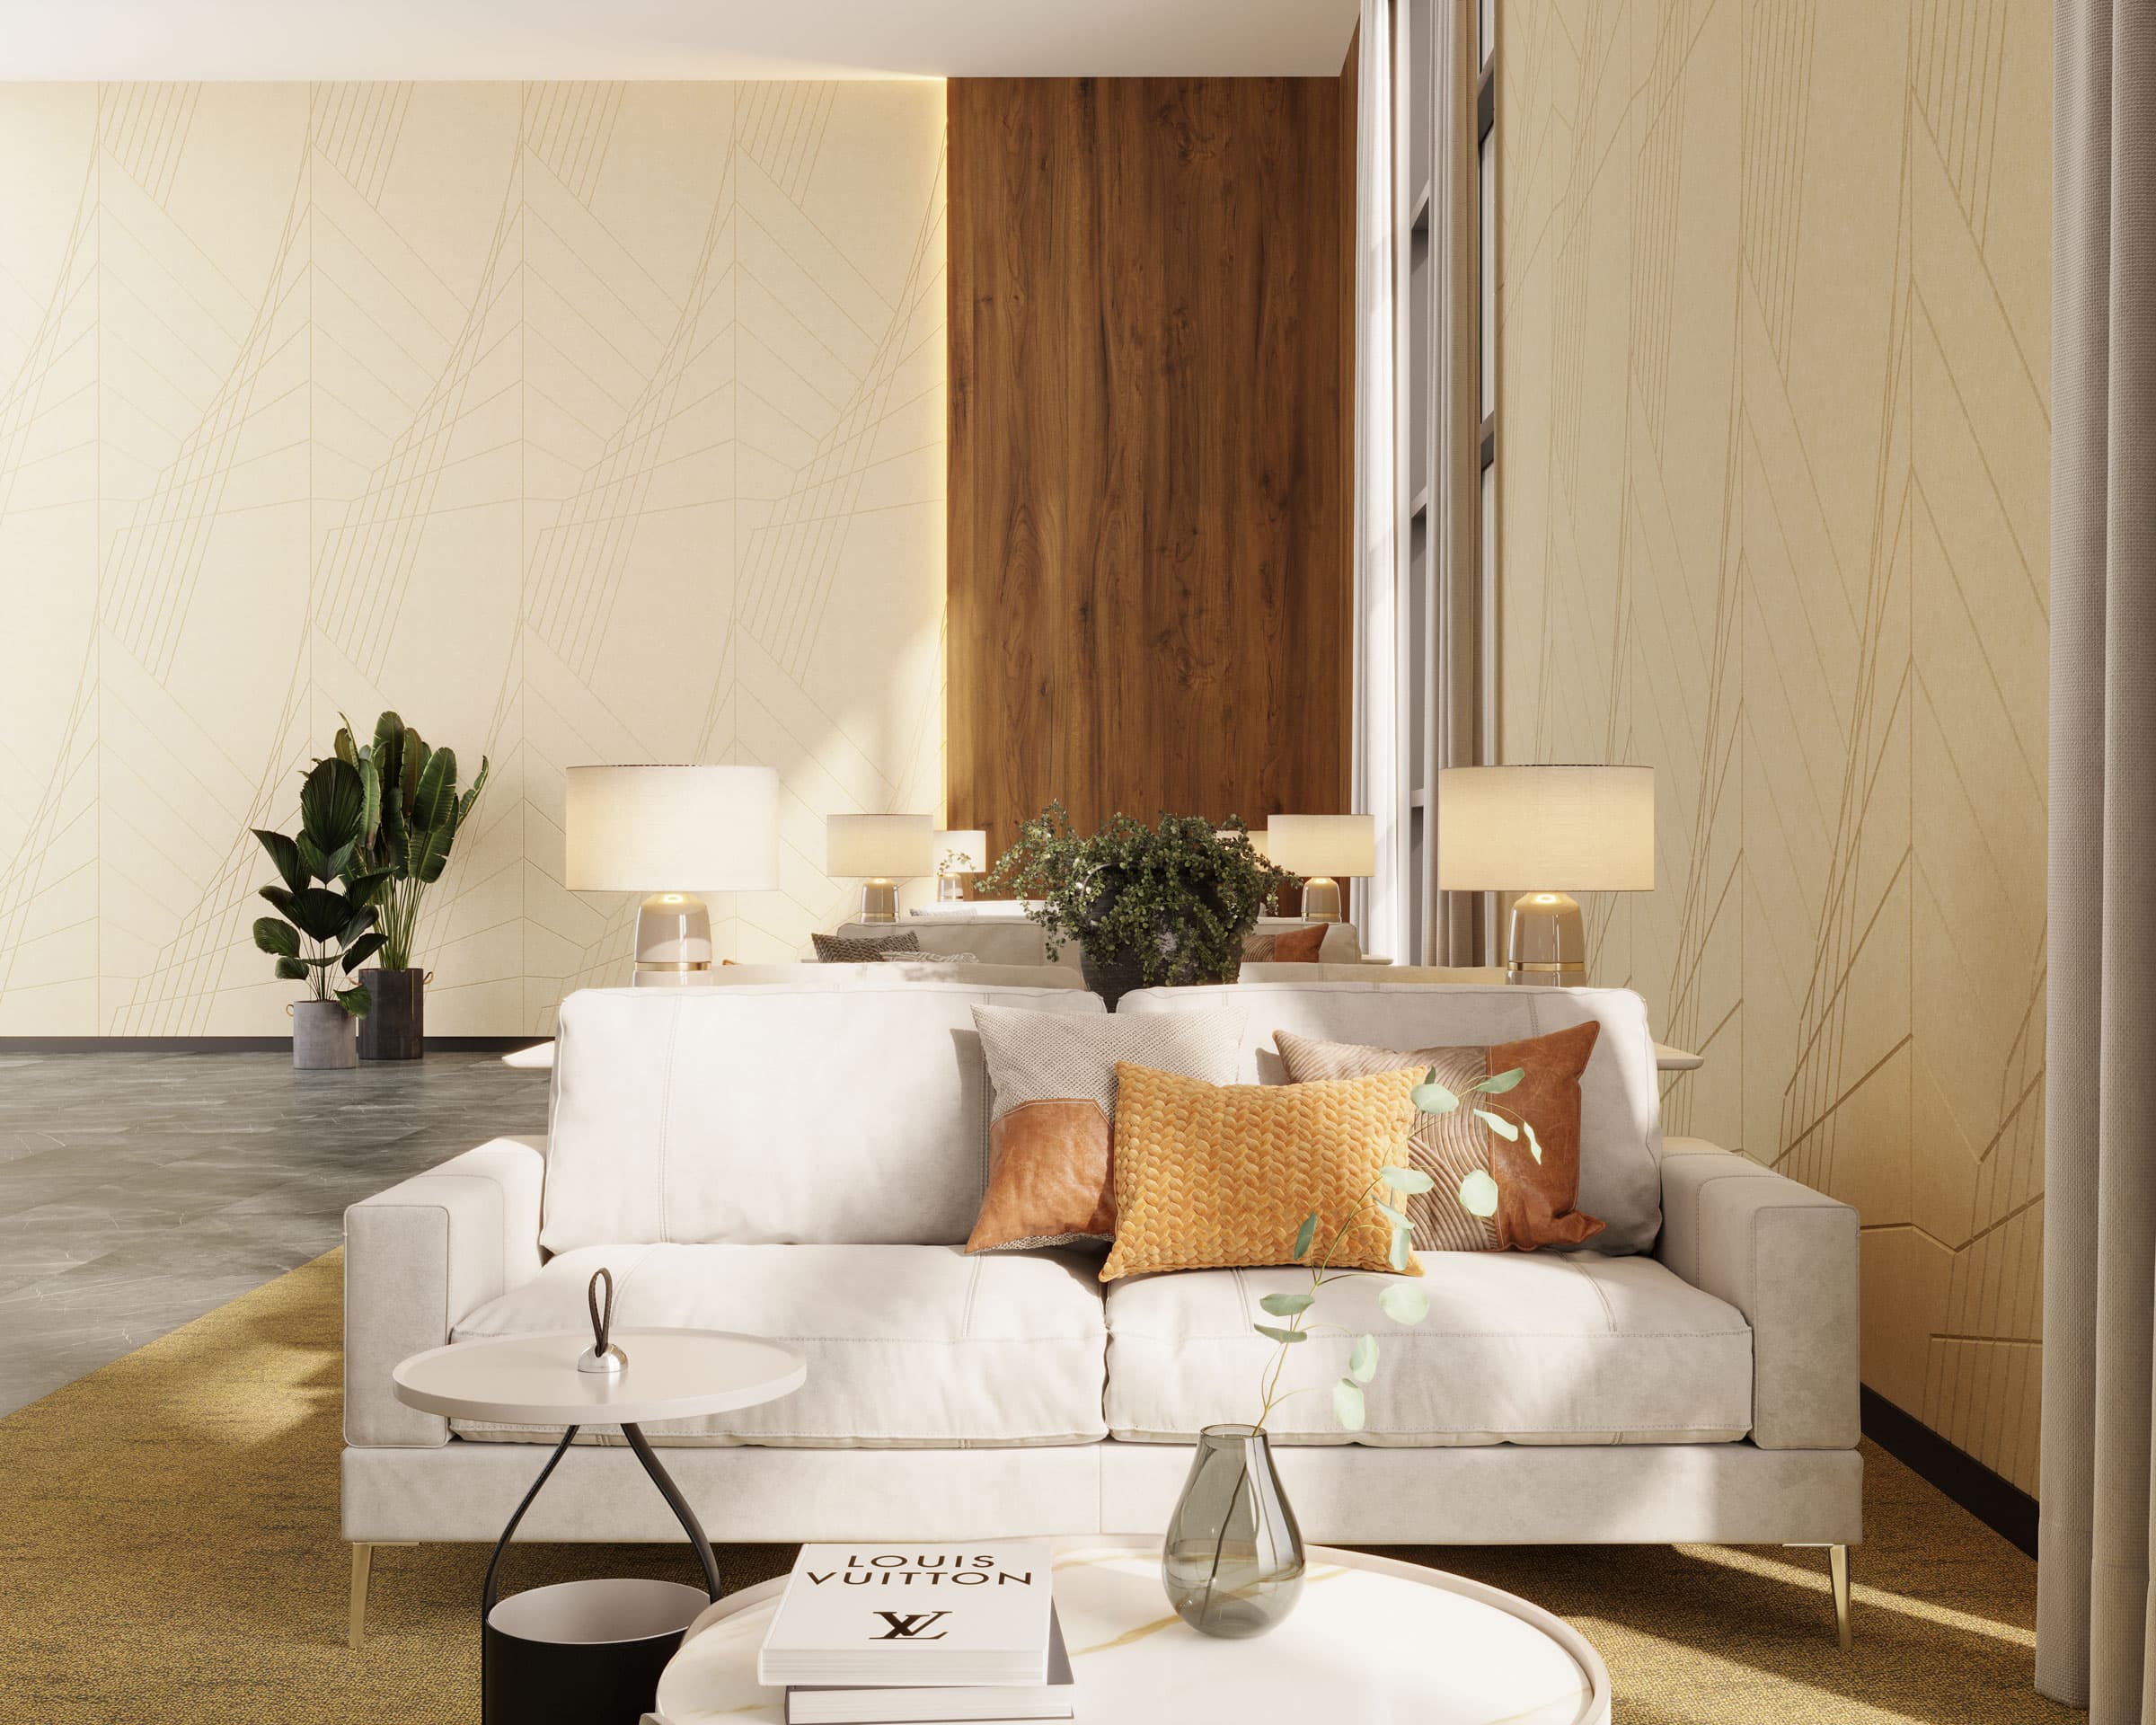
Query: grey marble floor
[(140, 1191)]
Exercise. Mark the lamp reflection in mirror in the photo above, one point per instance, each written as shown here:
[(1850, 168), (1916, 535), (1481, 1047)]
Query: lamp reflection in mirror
[(686, 830), (1567, 830), (959, 853), (1321, 847), (880, 851)]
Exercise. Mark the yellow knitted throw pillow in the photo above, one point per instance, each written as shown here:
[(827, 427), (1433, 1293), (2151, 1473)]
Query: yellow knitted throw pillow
[(1210, 1176)]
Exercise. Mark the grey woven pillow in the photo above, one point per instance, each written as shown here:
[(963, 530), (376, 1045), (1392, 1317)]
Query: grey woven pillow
[(869, 949)]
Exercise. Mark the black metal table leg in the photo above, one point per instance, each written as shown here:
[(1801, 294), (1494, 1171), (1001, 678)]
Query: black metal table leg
[(679, 1505), (667, 1489), (487, 1592)]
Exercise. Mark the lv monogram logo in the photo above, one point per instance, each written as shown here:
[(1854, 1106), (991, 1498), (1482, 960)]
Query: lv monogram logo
[(908, 1626)]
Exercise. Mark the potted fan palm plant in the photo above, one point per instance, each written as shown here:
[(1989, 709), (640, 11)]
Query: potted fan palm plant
[(326, 919), (1169, 903), (413, 813)]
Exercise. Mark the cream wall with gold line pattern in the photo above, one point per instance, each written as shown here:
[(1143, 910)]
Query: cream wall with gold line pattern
[(1775, 373), (578, 422)]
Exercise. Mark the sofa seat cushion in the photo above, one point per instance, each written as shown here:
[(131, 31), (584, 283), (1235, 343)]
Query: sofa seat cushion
[(908, 1346), (1540, 1348)]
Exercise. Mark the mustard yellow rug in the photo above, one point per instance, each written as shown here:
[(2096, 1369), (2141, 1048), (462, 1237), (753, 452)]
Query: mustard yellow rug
[(169, 1552)]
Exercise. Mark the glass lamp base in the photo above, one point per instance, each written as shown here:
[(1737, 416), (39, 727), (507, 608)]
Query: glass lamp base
[(1320, 900), (1546, 942), (672, 941), (878, 902)]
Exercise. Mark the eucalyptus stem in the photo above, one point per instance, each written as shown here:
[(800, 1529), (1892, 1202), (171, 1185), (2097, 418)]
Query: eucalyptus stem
[(1268, 1382)]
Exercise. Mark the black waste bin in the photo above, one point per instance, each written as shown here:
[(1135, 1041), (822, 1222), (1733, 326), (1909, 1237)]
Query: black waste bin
[(584, 1652)]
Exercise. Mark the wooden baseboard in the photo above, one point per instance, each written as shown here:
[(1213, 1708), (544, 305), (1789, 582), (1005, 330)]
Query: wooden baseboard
[(1993, 1499)]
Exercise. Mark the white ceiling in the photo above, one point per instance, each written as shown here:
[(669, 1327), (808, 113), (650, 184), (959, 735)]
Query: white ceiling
[(153, 39)]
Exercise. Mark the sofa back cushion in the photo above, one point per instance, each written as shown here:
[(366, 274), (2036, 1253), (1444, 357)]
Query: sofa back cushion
[(1620, 1114), (919, 967), (998, 940), (851, 1109)]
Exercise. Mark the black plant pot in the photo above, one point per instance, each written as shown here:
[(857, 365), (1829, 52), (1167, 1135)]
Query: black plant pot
[(1112, 981), (395, 1026), (1117, 977)]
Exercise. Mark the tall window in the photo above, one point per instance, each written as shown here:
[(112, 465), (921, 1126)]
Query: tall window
[(1445, 259)]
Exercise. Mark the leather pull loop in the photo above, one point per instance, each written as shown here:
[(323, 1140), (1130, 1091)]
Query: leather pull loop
[(604, 1357), (601, 1321)]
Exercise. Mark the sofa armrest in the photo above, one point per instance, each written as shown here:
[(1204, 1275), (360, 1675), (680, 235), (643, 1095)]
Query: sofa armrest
[(1786, 1257), (417, 1259)]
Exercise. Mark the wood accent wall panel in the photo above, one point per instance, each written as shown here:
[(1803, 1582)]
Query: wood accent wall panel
[(1149, 519)]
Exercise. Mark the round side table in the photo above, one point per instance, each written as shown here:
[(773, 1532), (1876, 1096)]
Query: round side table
[(592, 1650), (1372, 1639)]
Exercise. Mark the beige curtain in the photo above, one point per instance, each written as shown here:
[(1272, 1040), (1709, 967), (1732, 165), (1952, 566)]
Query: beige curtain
[(2094, 1627)]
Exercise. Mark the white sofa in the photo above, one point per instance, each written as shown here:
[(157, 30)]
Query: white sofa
[(802, 1161)]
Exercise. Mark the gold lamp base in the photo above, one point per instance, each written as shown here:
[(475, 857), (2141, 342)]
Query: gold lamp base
[(1320, 900), (878, 901), (1546, 941)]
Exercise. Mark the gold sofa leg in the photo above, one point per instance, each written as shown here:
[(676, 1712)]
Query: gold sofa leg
[(363, 1564), (1837, 1570)]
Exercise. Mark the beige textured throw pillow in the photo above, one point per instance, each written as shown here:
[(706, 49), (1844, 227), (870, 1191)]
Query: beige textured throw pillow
[(867, 949), (1051, 1128)]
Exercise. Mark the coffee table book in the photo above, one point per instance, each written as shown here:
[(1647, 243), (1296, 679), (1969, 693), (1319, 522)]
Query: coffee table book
[(912, 1617), (942, 1705)]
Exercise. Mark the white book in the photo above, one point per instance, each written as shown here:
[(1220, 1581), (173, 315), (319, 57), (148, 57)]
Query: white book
[(910, 1616), (935, 1706)]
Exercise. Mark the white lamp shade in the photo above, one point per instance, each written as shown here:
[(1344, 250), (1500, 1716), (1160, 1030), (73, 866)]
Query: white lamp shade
[(1564, 829), (1327, 845), (878, 847), (673, 828), (964, 852), (1261, 838)]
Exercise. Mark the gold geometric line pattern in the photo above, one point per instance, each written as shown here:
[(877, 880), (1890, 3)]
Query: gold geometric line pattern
[(319, 399), (1780, 345)]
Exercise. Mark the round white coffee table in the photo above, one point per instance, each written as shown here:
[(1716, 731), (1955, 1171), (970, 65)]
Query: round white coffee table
[(535, 1381), (1372, 1639)]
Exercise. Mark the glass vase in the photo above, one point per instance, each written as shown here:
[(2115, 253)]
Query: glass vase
[(1232, 1561)]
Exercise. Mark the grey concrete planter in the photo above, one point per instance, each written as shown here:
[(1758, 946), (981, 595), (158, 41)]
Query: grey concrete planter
[(323, 1037)]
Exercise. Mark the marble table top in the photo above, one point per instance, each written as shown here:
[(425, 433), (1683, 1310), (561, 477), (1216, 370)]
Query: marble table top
[(1372, 1639)]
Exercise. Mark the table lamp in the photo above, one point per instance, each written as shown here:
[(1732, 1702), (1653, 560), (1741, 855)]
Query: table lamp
[(957, 854), (683, 829), (880, 851), (1321, 847), (1565, 829)]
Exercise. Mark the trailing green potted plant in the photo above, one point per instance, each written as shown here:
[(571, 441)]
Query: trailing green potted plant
[(413, 814), (1164, 904), (325, 919)]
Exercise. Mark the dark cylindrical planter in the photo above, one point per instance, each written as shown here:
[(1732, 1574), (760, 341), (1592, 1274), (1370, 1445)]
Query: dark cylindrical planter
[(322, 1036), (584, 1652), (395, 1025), (1113, 980)]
